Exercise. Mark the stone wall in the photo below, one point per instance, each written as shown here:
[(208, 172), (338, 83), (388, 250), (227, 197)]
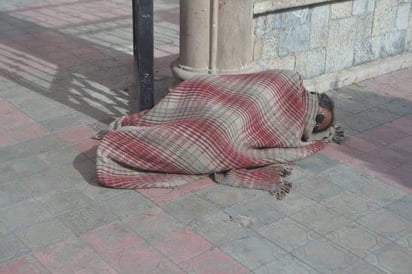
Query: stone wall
[(329, 37)]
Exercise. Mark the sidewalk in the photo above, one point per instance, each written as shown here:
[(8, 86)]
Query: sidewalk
[(66, 69)]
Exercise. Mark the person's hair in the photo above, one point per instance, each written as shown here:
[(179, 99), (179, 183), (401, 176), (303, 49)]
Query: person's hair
[(326, 102)]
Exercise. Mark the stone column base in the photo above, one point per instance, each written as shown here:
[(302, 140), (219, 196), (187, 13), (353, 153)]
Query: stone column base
[(216, 36)]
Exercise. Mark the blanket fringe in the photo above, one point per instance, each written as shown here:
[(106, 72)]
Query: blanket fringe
[(337, 135), (281, 190), (286, 171)]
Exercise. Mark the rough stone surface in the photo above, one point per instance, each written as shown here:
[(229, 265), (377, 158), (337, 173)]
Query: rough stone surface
[(340, 54), (385, 17), (287, 62), (294, 40), (409, 35), (402, 19), (362, 6), (292, 18), (311, 63), (319, 26), (364, 51), (271, 45), (341, 9), (348, 33), (393, 43)]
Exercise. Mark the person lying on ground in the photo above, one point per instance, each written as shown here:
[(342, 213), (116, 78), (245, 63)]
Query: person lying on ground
[(242, 130)]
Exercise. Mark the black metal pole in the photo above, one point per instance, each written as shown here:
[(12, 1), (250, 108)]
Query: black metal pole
[(143, 50)]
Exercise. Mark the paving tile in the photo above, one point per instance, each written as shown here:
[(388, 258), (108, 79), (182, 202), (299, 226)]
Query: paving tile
[(253, 251), (378, 87), (183, 245), (378, 192), (406, 241), (350, 205), (12, 117), (364, 268), (319, 219), (347, 178), (23, 214), (400, 177), (287, 234), (49, 181), (385, 134), (215, 228), (20, 168), (317, 188), (162, 196), (297, 173), (11, 193), (68, 163), (402, 207), (387, 158), (357, 239), (260, 210), (213, 261), (11, 248), (285, 264), (128, 203), (24, 133), (6, 139), (88, 148), (225, 196), (368, 119), (348, 100), (398, 106), (65, 121), (72, 256), (392, 258), (317, 163), (74, 135), (373, 170), (387, 224), (360, 94), (88, 218), (31, 147), (190, 208), (45, 233), (59, 202), (363, 142), (403, 124), (404, 144), (154, 225), (342, 153), (293, 202), (34, 107), (325, 256), (23, 265), (127, 252), (62, 156), (96, 192), (84, 167), (48, 155)]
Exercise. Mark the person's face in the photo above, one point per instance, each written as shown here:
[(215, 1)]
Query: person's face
[(323, 119)]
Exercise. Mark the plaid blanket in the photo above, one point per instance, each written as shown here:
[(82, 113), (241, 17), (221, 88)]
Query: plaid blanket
[(244, 130)]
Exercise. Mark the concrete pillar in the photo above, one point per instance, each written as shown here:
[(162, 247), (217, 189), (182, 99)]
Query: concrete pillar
[(216, 36)]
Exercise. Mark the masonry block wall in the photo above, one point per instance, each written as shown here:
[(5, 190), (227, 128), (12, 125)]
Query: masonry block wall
[(329, 36)]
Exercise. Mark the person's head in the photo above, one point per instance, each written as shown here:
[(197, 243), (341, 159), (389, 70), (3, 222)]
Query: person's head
[(325, 116)]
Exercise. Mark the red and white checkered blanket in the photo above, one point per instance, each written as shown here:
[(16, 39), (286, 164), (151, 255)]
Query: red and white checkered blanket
[(245, 130)]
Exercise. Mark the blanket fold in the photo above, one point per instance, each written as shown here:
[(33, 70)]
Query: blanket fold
[(245, 130)]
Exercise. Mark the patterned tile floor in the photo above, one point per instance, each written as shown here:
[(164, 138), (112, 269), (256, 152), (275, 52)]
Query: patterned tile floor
[(66, 69)]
